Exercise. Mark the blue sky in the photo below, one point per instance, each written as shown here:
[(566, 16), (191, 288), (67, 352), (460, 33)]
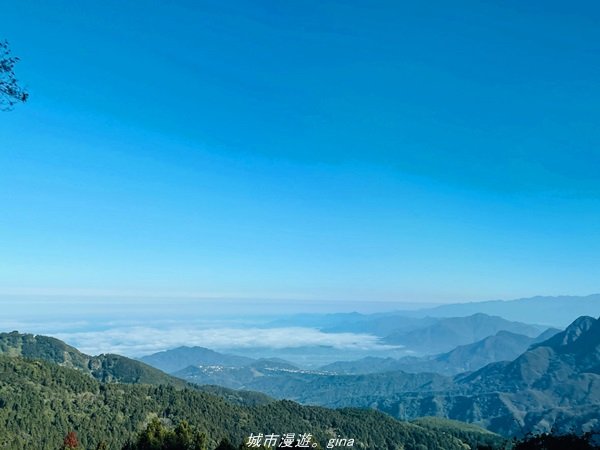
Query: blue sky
[(363, 151)]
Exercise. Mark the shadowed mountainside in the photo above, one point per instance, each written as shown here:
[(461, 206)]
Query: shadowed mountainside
[(553, 385)]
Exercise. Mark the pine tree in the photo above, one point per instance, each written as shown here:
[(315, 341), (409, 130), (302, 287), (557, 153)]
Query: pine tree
[(199, 441)]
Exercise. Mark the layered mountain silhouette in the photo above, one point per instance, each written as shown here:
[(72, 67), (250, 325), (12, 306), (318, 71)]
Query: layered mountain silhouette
[(428, 336), (47, 389), (553, 385), (446, 334), (557, 311), (503, 346), (566, 356)]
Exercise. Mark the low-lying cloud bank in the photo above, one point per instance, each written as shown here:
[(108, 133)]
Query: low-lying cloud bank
[(138, 341)]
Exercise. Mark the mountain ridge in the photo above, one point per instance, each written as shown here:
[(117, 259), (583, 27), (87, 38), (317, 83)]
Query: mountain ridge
[(179, 358), (502, 346), (449, 333), (42, 401), (553, 385), (104, 367)]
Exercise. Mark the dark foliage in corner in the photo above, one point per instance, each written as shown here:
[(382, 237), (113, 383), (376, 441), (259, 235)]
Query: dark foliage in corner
[(549, 441), (10, 91)]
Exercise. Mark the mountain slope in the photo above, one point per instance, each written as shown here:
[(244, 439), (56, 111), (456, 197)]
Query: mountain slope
[(554, 384), (106, 367), (40, 402), (503, 346), (571, 353), (314, 387)]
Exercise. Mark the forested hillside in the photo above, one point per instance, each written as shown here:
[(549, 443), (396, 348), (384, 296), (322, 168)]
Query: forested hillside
[(41, 402), (106, 367)]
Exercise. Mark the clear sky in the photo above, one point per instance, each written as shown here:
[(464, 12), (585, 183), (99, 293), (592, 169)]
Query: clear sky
[(345, 150)]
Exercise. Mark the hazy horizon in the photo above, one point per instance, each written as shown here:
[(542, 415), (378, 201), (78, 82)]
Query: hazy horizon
[(141, 326)]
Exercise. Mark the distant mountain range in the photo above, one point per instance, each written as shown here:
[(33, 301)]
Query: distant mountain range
[(553, 385), (503, 346), (507, 376), (48, 389), (379, 324), (446, 334), (558, 311), (552, 381), (428, 331), (424, 337)]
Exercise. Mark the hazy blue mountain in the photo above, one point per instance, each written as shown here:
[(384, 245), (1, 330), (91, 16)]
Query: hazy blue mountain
[(446, 334), (179, 358), (502, 346), (380, 324), (557, 311), (548, 311), (553, 385)]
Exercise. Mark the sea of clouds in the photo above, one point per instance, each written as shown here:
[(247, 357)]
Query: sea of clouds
[(124, 328), (137, 341)]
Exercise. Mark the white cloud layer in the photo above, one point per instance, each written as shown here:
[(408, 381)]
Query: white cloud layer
[(139, 341)]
